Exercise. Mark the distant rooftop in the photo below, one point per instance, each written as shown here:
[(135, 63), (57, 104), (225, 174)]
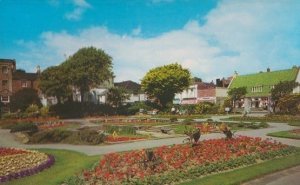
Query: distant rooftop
[(264, 79)]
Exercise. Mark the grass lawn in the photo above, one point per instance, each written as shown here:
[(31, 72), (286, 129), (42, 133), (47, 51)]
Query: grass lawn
[(294, 123), (248, 173), (67, 163), (286, 134)]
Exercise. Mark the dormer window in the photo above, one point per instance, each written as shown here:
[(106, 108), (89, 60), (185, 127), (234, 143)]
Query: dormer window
[(257, 89)]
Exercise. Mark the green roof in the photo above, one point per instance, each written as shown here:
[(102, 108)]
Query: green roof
[(265, 80)]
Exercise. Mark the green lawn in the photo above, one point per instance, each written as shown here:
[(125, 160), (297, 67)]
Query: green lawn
[(294, 123), (67, 164), (239, 176), (285, 134)]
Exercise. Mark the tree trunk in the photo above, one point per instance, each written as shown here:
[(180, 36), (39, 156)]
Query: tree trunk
[(82, 95)]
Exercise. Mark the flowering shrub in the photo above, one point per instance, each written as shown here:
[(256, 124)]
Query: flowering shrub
[(50, 125), (121, 138), (173, 163), (17, 163)]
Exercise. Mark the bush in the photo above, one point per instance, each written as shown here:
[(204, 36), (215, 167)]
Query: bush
[(128, 130), (79, 110), (44, 111), (23, 127), (85, 137), (32, 111), (24, 98), (50, 136), (66, 136)]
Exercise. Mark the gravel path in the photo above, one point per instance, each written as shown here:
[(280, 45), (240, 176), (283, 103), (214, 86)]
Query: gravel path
[(8, 140)]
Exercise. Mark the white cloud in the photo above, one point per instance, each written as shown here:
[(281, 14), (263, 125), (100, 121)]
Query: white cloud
[(80, 8), (137, 31), (81, 3), (237, 35)]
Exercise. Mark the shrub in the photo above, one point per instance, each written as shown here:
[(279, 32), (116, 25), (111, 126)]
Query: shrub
[(50, 136), (85, 137), (79, 110), (129, 130), (44, 111), (24, 98), (23, 127)]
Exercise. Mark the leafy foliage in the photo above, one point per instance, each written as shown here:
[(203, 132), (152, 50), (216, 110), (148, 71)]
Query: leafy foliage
[(53, 82), (280, 90), (24, 98), (290, 104), (88, 68), (237, 93), (162, 83), (116, 96)]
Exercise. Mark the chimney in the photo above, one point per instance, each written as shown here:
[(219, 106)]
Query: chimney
[(268, 69), (235, 74), (38, 69)]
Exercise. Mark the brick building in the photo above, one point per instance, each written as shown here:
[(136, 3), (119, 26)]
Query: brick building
[(201, 92), (7, 68), (13, 80)]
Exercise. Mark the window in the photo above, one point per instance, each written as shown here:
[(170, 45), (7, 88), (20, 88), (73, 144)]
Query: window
[(4, 69), (257, 89), (5, 98), (4, 83), (24, 84)]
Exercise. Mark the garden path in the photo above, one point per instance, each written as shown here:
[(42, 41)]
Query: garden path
[(8, 140)]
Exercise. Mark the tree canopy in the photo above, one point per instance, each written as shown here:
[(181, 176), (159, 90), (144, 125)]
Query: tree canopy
[(237, 93), (88, 68), (161, 83), (53, 82), (281, 90)]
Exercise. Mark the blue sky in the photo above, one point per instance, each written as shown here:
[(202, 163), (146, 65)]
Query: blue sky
[(212, 38)]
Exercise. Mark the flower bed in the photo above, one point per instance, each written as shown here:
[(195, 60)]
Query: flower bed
[(116, 139), (170, 164), (18, 163), (51, 125)]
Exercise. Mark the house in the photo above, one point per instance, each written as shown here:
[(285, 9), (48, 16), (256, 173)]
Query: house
[(7, 67), (13, 80), (134, 91), (259, 86), (201, 92), (97, 95)]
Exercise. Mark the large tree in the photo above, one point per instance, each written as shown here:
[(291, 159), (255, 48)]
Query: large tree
[(54, 82), (280, 90), (88, 68), (162, 83), (236, 94)]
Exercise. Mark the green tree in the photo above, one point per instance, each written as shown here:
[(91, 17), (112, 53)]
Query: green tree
[(280, 90), (116, 96), (23, 99), (54, 82), (237, 93), (289, 104), (162, 83), (88, 68)]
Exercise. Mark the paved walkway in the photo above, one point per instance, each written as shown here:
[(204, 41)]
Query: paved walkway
[(8, 140)]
